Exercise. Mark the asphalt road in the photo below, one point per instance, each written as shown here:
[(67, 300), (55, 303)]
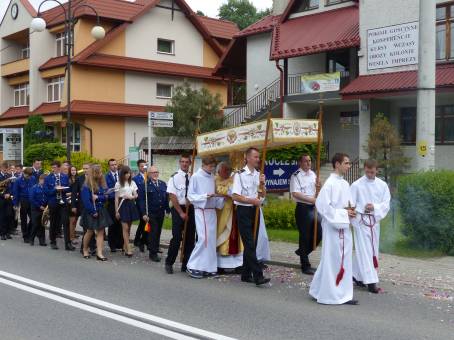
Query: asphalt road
[(46, 294)]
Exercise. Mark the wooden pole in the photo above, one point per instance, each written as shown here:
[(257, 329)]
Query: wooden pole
[(194, 153), (319, 149), (262, 168)]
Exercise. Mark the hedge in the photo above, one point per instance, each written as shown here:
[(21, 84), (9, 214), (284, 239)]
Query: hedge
[(279, 214), (44, 151), (427, 208)]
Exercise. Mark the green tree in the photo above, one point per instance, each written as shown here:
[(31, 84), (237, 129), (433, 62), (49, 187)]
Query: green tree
[(384, 144), (185, 105), (34, 124), (241, 12)]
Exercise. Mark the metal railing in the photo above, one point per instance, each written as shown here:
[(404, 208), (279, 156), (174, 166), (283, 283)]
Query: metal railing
[(354, 172), (258, 102)]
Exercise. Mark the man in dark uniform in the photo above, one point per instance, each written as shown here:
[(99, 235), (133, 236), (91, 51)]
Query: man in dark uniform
[(37, 171), (177, 188), (158, 206), (21, 190), (115, 236), (303, 187), (247, 199), (6, 207), (141, 236), (57, 201)]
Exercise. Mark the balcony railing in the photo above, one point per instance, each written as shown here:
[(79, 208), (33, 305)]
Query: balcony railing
[(294, 82), (15, 67)]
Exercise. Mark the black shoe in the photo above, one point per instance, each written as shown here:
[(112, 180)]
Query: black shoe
[(248, 279), (26, 240), (43, 244), (113, 250), (70, 247), (129, 254), (141, 248), (298, 252), (154, 258), (86, 257), (263, 265), (102, 259), (308, 271), (352, 302), (169, 269), (195, 274), (359, 283), (3, 238), (261, 281), (372, 288), (53, 246), (8, 237)]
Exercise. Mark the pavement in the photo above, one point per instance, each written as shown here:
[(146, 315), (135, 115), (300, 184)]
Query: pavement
[(135, 299)]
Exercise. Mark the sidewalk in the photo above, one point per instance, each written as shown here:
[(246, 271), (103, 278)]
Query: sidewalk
[(434, 273)]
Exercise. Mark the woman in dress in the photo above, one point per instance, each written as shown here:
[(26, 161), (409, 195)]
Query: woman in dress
[(125, 207), (95, 216), (72, 174)]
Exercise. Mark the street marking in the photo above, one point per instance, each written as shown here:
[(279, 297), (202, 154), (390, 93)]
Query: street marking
[(97, 306)]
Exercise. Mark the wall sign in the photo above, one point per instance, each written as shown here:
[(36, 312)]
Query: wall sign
[(392, 46)]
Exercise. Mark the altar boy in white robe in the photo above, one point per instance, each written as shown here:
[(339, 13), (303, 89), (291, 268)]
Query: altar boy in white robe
[(371, 197), (332, 283), (202, 194)]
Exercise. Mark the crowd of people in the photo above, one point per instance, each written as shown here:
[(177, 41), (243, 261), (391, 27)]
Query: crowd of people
[(217, 221)]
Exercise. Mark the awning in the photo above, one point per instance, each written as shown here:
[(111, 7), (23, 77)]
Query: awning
[(316, 33), (172, 143), (394, 83)]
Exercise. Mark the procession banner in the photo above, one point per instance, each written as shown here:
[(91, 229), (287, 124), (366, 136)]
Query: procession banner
[(283, 132), (318, 83)]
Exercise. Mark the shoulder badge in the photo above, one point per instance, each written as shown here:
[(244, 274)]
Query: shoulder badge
[(241, 171), (174, 174), (296, 172)]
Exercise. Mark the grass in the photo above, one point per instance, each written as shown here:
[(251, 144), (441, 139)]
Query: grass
[(290, 236)]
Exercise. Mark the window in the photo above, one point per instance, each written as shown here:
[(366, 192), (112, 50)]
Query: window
[(25, 52), (166, 46), (445, 34), (55, 89), (75, 134), (60, 39), (444, 124), (164, 91), (335, 2), (21, 95), (307, 5)]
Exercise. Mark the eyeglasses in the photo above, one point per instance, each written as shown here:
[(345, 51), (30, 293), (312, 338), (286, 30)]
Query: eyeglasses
[(154, 172)]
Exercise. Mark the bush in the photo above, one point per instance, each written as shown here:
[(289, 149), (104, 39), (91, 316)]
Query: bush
[(44, 151), (79, 158), (427, 208), (279, 214)]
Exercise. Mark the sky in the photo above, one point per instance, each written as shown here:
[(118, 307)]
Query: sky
[(209, 7)]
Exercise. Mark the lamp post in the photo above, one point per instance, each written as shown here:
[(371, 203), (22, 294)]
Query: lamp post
[(38, 24)]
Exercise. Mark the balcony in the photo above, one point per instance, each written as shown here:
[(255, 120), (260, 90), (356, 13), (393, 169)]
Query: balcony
[(16, 68), (294, 82)]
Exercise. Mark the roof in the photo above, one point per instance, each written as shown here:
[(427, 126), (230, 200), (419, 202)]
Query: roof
[(394, 83), (316, 33), (221, 29), (168, 143), (265, 24), (15, 112), (290, 6), (29, 7), (54, 62), (148, 66)]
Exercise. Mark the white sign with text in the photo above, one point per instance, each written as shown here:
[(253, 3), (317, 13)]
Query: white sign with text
[(392, 46)]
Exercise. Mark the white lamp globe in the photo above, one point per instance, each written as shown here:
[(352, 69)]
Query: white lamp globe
[(98, 32), (38, 24)]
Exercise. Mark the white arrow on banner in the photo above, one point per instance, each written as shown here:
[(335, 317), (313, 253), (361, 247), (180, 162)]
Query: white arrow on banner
[(278, 172)]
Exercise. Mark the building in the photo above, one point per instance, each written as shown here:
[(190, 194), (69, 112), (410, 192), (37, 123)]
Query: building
[(150, 48), (357, 39)]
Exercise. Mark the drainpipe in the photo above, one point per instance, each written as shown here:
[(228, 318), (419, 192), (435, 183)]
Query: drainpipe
[(281, 88)]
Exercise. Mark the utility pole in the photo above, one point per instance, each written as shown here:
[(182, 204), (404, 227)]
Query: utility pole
[(425, 118)]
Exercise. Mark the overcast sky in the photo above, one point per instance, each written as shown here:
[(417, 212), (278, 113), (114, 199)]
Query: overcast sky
[(209, 7)]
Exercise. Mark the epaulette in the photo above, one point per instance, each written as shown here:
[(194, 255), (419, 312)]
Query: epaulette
[(241, 171), (174, 174), (296, 172)]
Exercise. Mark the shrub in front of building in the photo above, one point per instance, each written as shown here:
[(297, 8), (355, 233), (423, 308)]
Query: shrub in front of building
[(427, 209), (47, 152), (279, 214), (78, 159)]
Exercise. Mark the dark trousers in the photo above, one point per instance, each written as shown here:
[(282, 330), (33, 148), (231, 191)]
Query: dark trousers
[(141, 236), (177, 235), (246, 219), (10, 216), (59, 216), (3, 218), (37, 229), (25, 218), (304, 216), (154, 236), (115, 236)]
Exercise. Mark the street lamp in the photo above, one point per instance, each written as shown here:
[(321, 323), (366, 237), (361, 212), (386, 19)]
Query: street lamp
[(38, 24)]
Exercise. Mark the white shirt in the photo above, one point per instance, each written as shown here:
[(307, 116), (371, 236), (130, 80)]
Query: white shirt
[(304, 183), (127, 191), (373, 191), (177, 186), (246, 184)]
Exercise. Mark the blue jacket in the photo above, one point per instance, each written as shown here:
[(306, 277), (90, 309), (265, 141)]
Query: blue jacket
[(21, 189), (38, 196), (110, 180), (49, 188), (158, 199), (9, 186), (140, 182), (36, 174), (87, 200)]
